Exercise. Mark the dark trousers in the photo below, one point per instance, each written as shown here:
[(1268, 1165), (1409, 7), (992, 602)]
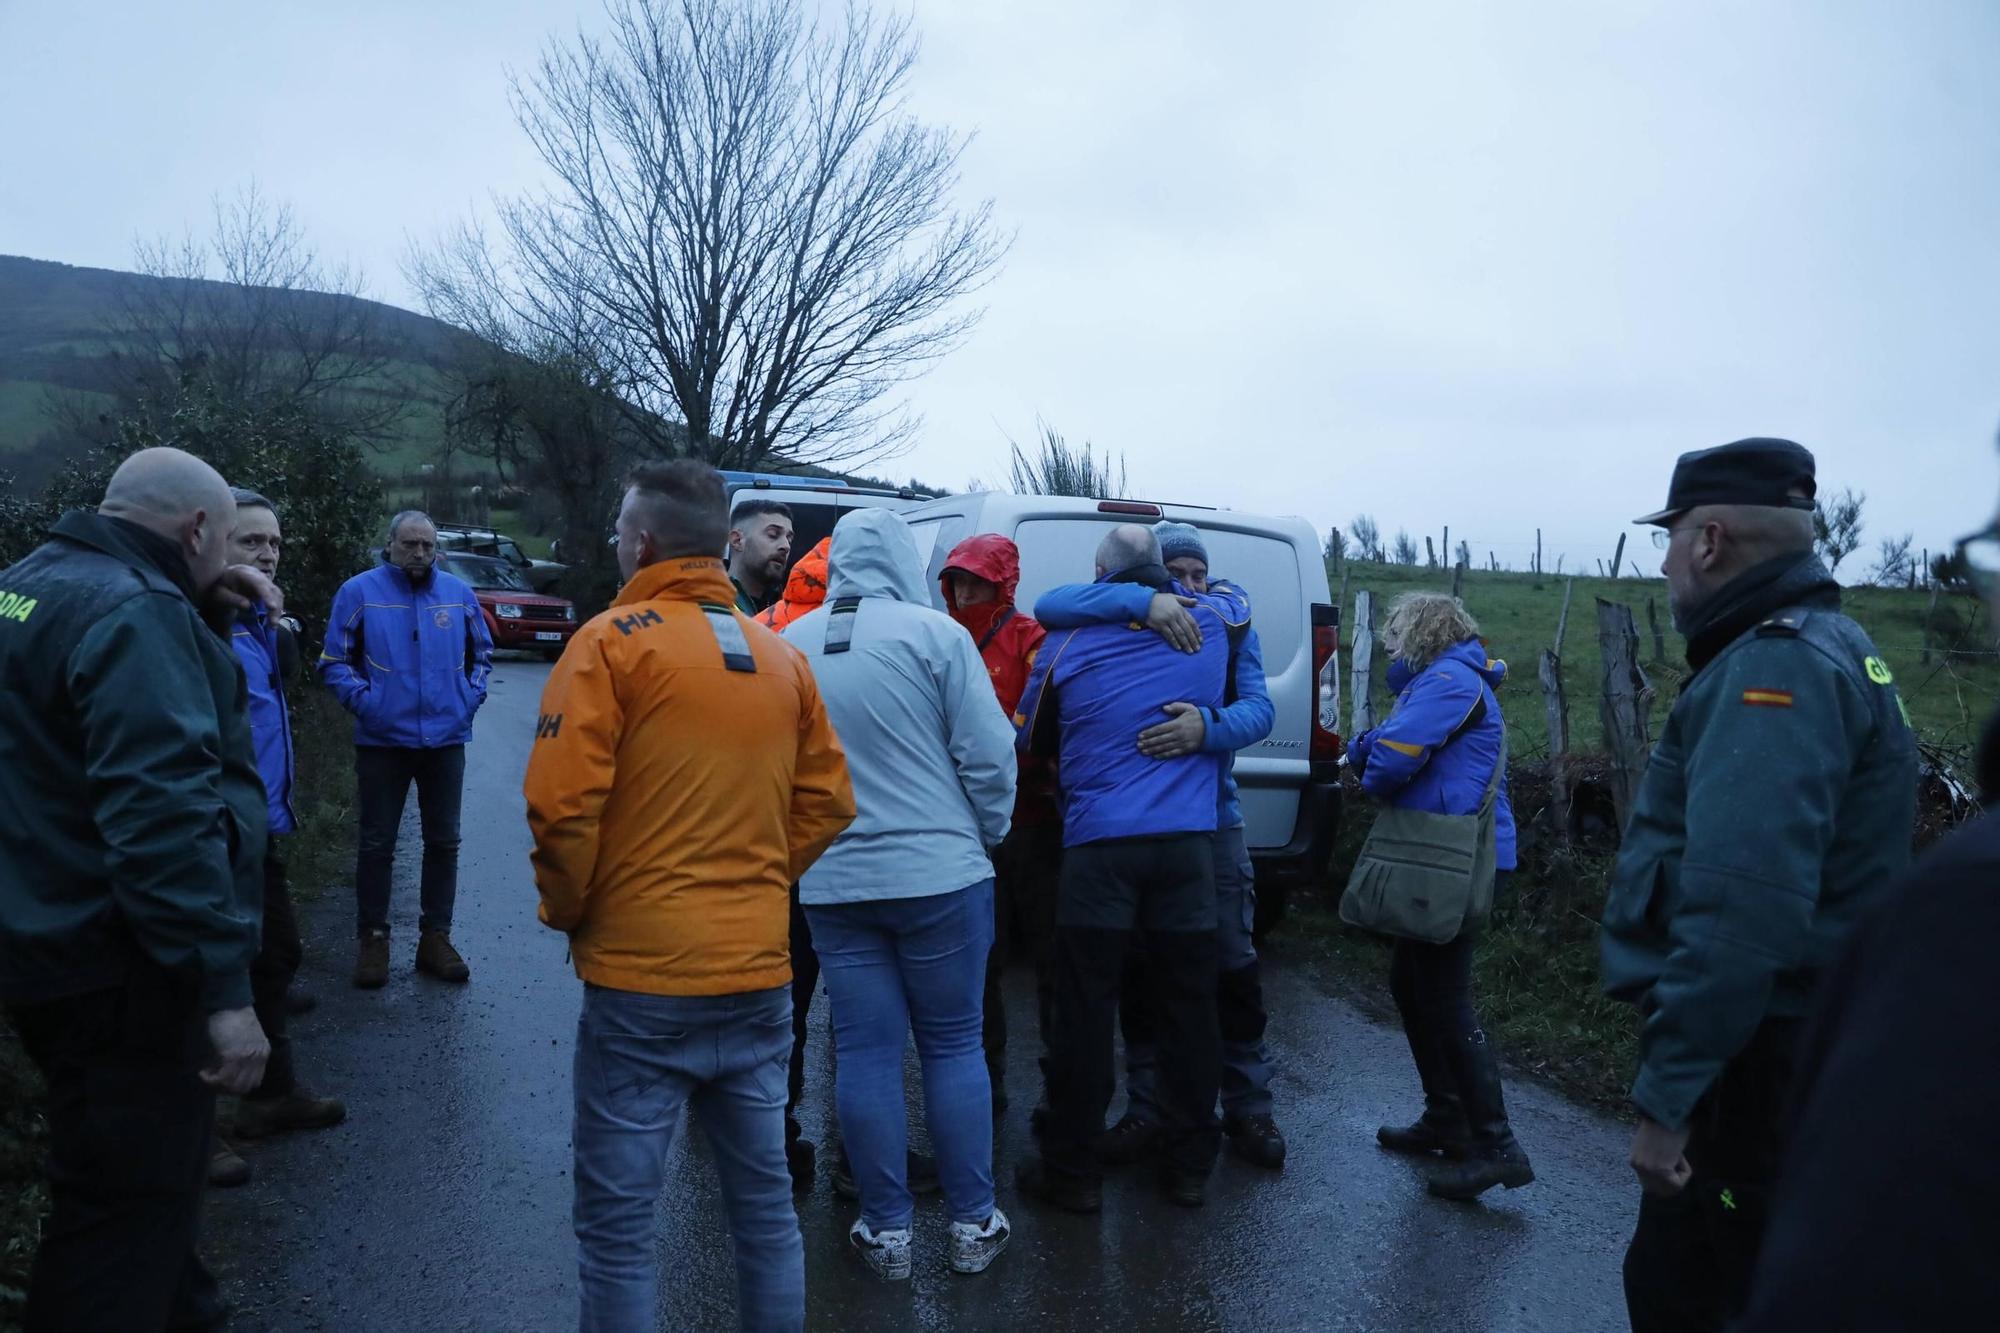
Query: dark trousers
[(385, 774), (129, 1130), (1164, 890), (1432, 987), (1689, 1264), (1026, 869), (805, 978), (271, 974)]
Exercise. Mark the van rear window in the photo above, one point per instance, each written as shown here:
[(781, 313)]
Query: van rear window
[(1058, 551)]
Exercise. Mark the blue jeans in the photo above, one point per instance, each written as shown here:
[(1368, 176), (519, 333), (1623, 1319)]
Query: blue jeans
[(893, 966), (639, 1060)]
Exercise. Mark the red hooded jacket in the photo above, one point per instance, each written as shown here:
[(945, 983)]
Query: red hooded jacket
[(1007, 638)]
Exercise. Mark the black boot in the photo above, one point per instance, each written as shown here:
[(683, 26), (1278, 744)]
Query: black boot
[(1495, 1158), (1442, 1127)]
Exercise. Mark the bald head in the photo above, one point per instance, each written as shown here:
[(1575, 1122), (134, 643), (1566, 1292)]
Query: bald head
[(175, 494), (1127, 546)]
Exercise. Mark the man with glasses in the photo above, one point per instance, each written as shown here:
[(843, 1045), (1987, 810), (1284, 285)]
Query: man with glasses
[(1777, 807)]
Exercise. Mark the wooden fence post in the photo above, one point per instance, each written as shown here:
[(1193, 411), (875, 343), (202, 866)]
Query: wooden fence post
[(1623, 708), (1444, 551), (1659, 639), (1930, 617), (1457, 578), (1538, 552), (1557, 704), (1430, 555), (1618, 556), (1361, 655)]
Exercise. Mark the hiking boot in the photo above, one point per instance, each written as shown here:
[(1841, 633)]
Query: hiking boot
[(1068, 1193), (300, 1002), (1128, 1141), (1256, 1140), (226, 1169), (1184, 1187), (261, 1117), (436, 956), (1482, 1169), (1494, 1158), (975, 1247), (919, 1176), (1435, 1131), (801, 1159), (371, 962), (887, 1254)]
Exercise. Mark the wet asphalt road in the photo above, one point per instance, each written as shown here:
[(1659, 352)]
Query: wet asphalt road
[(443, 1202)]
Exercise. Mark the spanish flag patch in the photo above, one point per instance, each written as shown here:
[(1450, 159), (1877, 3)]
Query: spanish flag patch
[(1768, 698)]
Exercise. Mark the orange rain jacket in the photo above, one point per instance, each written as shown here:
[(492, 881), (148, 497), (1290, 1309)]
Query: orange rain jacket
[(683, 777), (805, 590)]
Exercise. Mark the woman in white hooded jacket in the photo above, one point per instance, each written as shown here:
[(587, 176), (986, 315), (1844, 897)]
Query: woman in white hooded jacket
[(901, 906)]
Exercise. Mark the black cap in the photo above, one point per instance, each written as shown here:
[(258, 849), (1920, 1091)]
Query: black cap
[(1748, 472)]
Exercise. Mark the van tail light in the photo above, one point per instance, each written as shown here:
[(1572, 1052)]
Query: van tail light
[(1137, 508), (1326, 745)]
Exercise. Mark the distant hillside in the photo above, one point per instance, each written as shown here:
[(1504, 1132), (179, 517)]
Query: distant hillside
[(53, 339)]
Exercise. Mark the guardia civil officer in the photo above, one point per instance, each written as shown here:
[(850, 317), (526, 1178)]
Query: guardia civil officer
[(1776, 808)]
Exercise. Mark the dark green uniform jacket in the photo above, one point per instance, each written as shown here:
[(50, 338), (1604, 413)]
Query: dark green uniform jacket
[(134, 816), (1777, 807)]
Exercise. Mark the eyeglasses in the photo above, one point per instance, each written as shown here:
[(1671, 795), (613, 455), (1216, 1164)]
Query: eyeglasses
[(1664, 537)]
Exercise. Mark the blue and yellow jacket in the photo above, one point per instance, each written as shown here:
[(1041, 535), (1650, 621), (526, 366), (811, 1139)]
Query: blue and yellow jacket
[(1091, 692), (1245, 717), (255, 639), (409, 662), (1412, 761)]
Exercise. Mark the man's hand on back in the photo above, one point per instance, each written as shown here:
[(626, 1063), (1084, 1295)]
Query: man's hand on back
[(1168, 617), (1170, 740), (240, 1051)]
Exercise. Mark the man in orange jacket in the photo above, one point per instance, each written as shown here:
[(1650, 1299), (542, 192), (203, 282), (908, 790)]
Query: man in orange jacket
[(980, 577), (805, 589), (683, 777)]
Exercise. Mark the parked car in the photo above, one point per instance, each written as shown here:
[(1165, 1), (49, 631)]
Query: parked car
[(541, 575), (516, 615), (1289, 781)]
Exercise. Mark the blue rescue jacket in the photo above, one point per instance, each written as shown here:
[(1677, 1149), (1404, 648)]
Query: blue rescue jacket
[(1407, 761), (409, 662), (255, 639), (1245, 717), (1095, 688)]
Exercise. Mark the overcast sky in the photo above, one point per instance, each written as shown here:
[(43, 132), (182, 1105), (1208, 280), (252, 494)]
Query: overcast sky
[(1483, 265)]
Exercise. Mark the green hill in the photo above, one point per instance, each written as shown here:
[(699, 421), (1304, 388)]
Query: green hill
[(57, 341)]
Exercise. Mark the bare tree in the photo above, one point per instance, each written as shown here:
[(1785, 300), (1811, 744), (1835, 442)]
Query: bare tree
[(1405, 552), (1367, 538), (251, 310), (1837, 526), (1059, 468), (766, 236), (1894, 565), (1337, 547)]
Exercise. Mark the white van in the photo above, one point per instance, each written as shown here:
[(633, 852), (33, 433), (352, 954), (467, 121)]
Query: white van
[(1291, 796), (816, 504)]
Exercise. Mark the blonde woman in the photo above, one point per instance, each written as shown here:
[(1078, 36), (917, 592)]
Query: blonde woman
[(1437, 752)]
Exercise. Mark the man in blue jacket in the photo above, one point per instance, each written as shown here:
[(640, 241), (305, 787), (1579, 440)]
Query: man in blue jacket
[(278, 1103), (1245, 718), (408, 654), (1138, 835)]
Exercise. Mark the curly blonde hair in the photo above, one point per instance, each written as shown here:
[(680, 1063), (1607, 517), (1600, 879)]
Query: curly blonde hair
[(1425, 625)]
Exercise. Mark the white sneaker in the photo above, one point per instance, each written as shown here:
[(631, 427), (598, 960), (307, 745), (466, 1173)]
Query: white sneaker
[(887, 1254), (974, 1247)]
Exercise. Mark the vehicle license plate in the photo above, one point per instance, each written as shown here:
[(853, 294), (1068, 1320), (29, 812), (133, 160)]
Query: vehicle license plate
[(550, 635)]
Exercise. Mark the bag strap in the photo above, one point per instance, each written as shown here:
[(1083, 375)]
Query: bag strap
[(1499, 767), (999, 622)]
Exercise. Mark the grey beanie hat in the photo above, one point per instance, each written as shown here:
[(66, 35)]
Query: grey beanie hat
[(1180, 539)]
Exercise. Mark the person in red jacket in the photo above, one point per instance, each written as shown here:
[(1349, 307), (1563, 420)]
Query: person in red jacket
[(979, 579)]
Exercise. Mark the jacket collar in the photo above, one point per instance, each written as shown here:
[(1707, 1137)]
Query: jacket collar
[(679, 579), (1153, 576), (1750, 597), (136, 546)]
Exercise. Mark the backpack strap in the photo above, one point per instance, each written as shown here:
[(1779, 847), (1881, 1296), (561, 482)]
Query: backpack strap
[(729, 637), (994, 628), (840, 625)]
